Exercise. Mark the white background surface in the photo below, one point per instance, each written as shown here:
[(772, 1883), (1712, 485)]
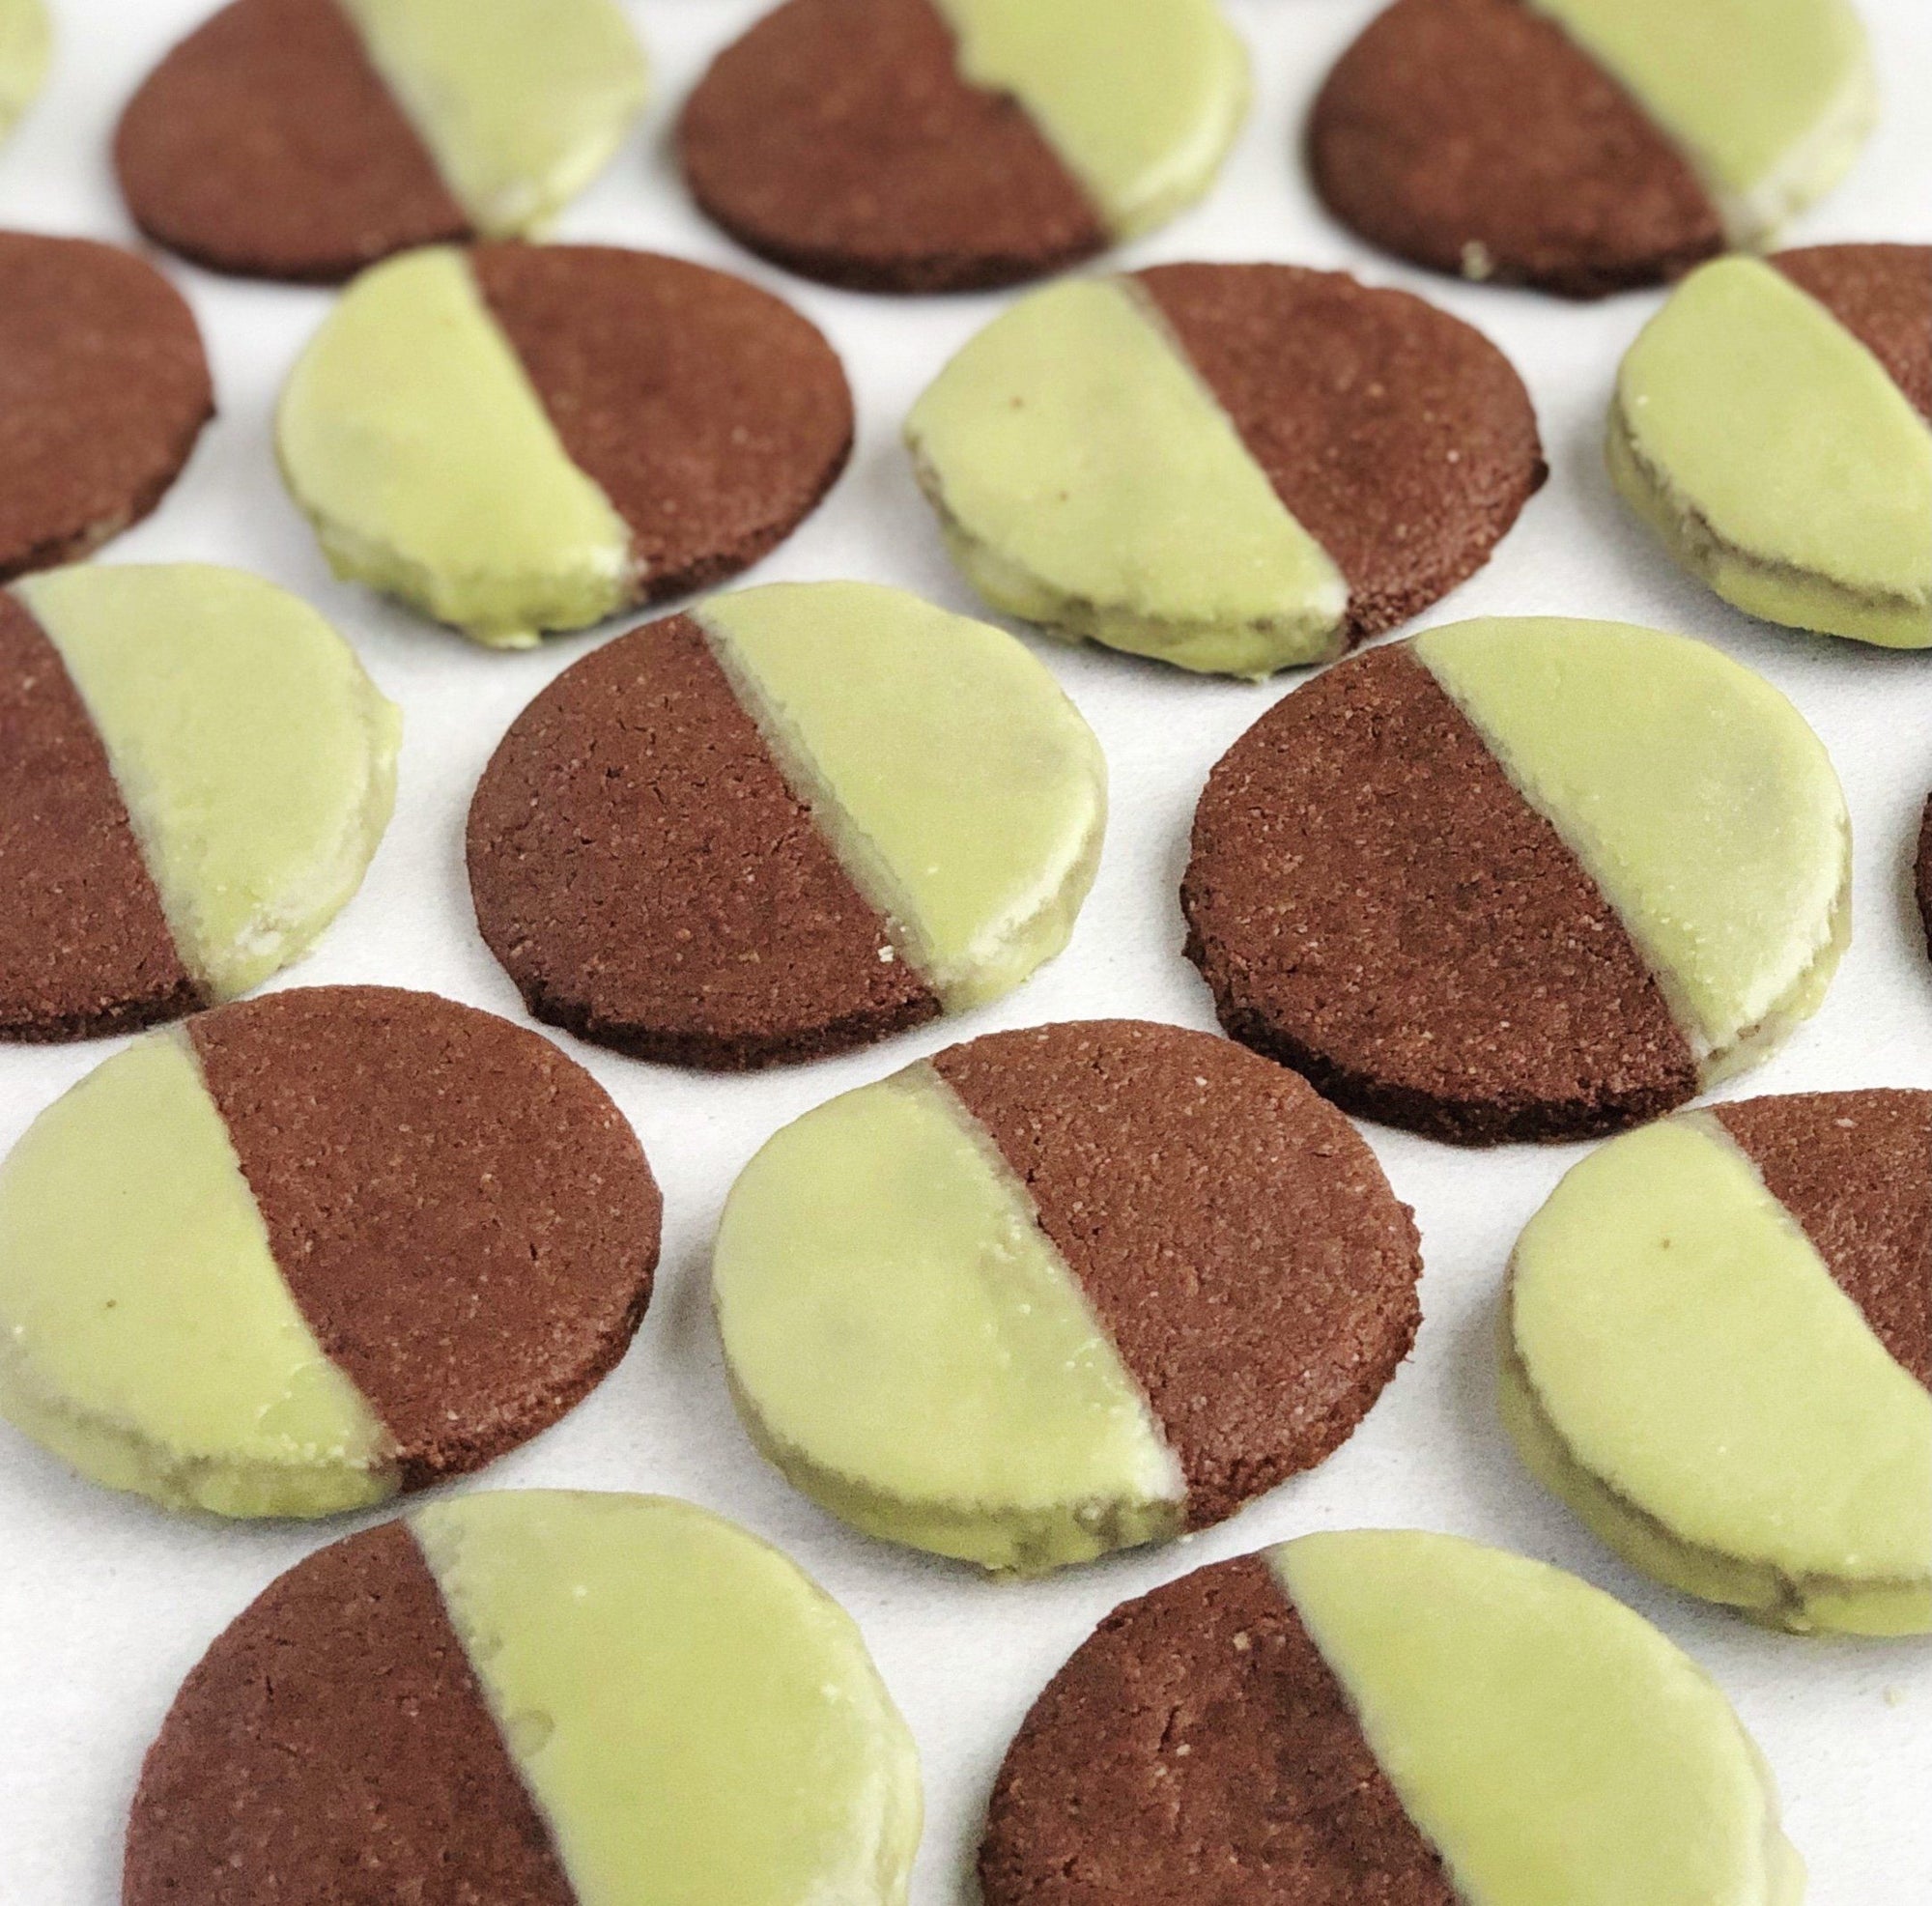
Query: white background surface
[(106, 1603)]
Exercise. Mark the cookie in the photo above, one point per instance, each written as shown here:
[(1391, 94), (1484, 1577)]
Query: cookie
[(194, 773), (521, 438), (104, 389), (1125, 1276), (1235, 467), (1383, 1714), (534, 1696), (1585, 146), (359, 1240), (1718, 1346), (1924, 872), (303, 140), (26, 45), (796, 821), (1773, 423), (1521, 878), (945, 145)]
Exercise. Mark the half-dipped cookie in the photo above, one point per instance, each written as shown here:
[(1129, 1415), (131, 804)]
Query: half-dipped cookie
[(194, 773), (1717, 1348), (104, 389), (521, 438), (536, 1697), (1383, 1714), (304, 1252), (795, 820), (943, 145), (1061, 1291), (1773, 423), (304, 139), (1234, 468), (1583, 146), (26, 43), (1521, 878)]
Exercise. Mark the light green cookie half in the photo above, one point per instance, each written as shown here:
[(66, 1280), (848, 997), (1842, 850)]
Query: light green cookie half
[(1551, 1745), (1777, 457), (26, 49)]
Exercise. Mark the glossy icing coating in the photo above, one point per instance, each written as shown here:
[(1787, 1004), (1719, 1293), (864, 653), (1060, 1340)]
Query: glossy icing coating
[(1086, 479), (145, 1334), (1696, 797), (957, 784), (256, 757), (26, 47), (1548, 1743), (694, 1718)]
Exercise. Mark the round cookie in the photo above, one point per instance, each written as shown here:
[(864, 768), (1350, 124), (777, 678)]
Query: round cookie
[(358, 1241), (26, 45), (1521, 878), (1773, 423), (303, 140), (104, 389), (194, 774), (946, 145), (543, 1696), (1126, 1276), (1584, 146), (1717, 1348), (796, 821), (1235, 467), (521, 438), (1383, 1714)]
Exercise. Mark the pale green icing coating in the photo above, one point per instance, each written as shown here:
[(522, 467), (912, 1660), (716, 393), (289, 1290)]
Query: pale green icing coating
[(1677, 1334), (1695, 796), (697, 1721), (1778, 459), (146, 1335), (521, 103), (26, 46), (256, 757), (880, 1264), (1549, 1743), (957, 784), (1086, 479), (1140, 99), (414, 442), (1769, 99)]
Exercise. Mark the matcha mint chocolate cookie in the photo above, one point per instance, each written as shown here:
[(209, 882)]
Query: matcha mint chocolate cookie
[(304, 1252), (26, 41)]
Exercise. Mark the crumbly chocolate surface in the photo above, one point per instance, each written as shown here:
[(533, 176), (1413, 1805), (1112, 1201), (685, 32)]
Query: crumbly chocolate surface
[(460, 1213), (1882, 294), (1372, 903), (1234, 1234)]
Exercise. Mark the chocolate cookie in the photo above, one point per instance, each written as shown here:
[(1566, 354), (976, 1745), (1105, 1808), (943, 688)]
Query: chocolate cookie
[(1235, 467), (104, 389), (1773, 423), (796, 821), (1128, 1277), (521, 438), (1924, 881), (1382, 1715), (361, 1241), (1521, 878), (304, 139), (1583, 146), (538, 1696), (943, 145), (26, 42)]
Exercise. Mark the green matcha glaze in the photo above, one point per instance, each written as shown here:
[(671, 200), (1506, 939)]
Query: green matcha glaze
[(417, 444), (958, 786), (146, 1335), (1086, 479), (521, 103), (1678, 1338), (257, 759), (1778, 459), (26, 46), (697, 1721), (1693, 795), (879, 1264), (1549, 1743), (1140, 99)]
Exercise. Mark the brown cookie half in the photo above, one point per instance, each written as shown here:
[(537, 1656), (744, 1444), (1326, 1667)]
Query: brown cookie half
[(1882, 294), (104, 388)]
